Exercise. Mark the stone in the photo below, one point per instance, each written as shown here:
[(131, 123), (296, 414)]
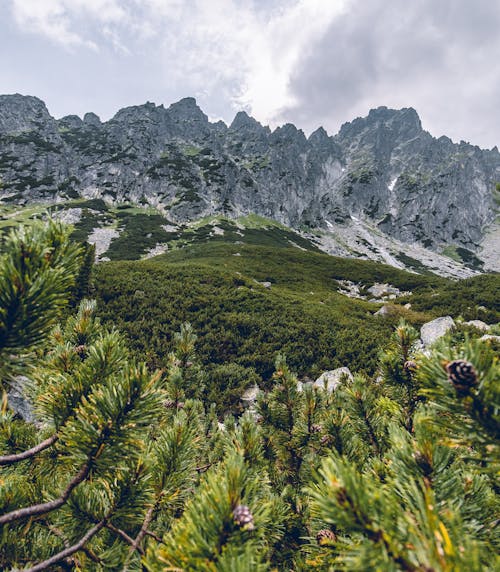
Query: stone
[(330, 380), (478, 324), (490, 337), (384, 311), (379, 290), (431, 331), (18, 403), (249, 397)]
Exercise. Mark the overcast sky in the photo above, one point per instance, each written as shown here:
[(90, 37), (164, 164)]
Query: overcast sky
[(310, 62)]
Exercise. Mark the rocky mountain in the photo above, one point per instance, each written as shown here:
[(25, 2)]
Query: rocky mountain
[(382, 185)]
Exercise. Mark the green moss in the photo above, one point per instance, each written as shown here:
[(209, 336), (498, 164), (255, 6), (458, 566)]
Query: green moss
[(191, 150)]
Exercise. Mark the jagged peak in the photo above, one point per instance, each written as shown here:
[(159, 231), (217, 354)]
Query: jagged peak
[(288, 130), (137, 111), (22, 113), (187, 109), (20, 99), (319, 136), (405, 120), (70, 121), (91, 119), (244, 121)]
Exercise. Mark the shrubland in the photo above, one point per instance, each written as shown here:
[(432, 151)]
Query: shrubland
[(124, 465)]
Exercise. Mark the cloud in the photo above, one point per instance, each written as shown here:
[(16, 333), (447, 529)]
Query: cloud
[(311, 62), (438, 57), (241, 51), (58, 19)]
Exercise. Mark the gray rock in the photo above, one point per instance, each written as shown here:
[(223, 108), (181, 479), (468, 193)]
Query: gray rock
[(17, 400), (383, 168), (431, 331), (379, 290), (384, 311), (249, 397), (491, 337), (479, 324), (330, 380)]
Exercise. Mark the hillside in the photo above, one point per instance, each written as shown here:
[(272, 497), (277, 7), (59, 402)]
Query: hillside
[(248, 302), (382, 188)]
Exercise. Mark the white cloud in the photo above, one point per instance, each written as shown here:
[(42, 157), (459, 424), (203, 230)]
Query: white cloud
[(56, 19), (235, 49), (274, 53)]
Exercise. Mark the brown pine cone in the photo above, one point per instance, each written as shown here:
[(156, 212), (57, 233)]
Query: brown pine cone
[(462, 375), (326, 440), (243, 517), (326, 536), (410, 366), (316, 428)]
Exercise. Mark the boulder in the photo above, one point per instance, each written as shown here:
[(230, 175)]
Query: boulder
[(249, 397), (431, 331), (330, 380), (489, 337), (18, 402), (479, 324), (381, 290), (384, 311)]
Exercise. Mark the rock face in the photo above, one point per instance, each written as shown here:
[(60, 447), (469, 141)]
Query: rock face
[(435, 329), (384, 169)]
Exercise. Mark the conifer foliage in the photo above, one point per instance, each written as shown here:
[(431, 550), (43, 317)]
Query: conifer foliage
[(119, 467)]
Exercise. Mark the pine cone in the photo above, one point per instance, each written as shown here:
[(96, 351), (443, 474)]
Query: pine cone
[(81, 350), (243, 517), (169, 404), (410, 366), (462, 375), (326, 536), (316, 428), (326, 440)]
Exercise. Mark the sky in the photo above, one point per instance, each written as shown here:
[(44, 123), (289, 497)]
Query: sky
[(309, 62)]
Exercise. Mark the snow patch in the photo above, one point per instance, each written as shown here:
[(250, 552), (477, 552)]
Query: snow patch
[(392, 184)]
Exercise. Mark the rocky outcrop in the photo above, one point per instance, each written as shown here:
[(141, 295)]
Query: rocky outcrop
[(383, 169)]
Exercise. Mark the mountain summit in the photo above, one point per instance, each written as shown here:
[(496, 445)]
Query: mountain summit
[(383, 170)]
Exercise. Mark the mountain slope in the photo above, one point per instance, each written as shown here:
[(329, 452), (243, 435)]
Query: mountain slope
[(383, 170)]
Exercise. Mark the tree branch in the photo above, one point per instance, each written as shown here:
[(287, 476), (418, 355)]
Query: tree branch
[(124, 536), (142, 533), (11, 459), (153, 535), (68, 551), (45, 507)]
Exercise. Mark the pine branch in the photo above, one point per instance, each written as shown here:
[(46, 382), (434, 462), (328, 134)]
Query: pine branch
[(143, 532), (68, 551), (11, 459), (46, 507), (124, 536), (154, 536), (203, 468)]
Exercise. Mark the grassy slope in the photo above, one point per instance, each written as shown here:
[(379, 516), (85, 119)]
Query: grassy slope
[(238, 319)]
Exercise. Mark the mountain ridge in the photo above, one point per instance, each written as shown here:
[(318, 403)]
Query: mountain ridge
[(384, 170)]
